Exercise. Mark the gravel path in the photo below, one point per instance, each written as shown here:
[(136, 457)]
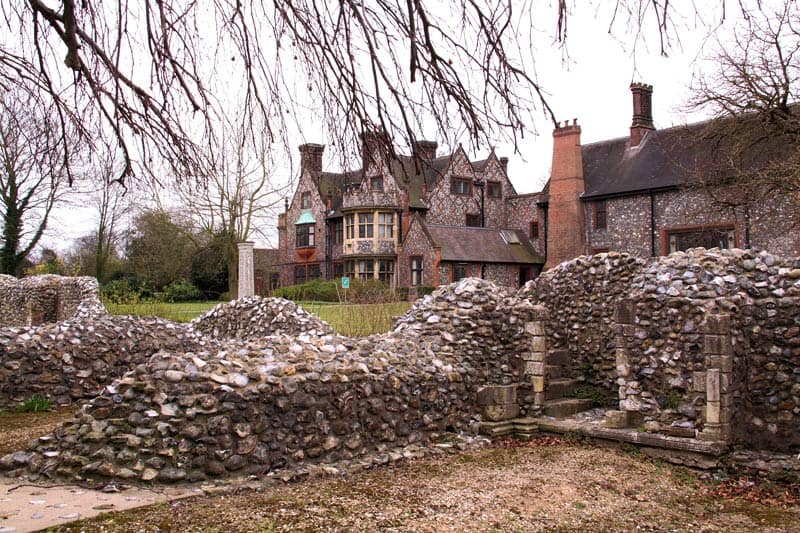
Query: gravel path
[(547, 485)]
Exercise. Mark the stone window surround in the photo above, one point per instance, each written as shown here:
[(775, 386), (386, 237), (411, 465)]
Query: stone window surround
[(494, 189), (308, 269), (304, 236), (600, 214), (418, 262), (472, 220), (457, 185), (376, 183), (364, 268), (453, 271), (533, 231), (385, 225), (305, 200), (351, 244), (665, 231), (366, 225)]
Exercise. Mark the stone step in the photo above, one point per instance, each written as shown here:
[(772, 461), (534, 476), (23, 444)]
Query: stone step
[(560, 358), (553, 371), (560, 388), (566, 407)]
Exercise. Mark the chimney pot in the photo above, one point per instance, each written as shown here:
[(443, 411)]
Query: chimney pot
[(642, 112), (425, 150), (311, 157), (504, 164)]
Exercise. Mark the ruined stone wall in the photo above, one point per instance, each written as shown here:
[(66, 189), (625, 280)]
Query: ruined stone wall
[(758, 356), (46, 299), (265, 400), (581, 296), (74, 359), (652, 332)]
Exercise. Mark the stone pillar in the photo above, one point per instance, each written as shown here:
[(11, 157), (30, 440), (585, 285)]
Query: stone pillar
[(246, 274), (624, 319), (498, 402), (535, 360), (718, 351)]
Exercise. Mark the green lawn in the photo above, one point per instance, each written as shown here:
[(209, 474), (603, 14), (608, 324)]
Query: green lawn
[(177, 312), (353, 320)]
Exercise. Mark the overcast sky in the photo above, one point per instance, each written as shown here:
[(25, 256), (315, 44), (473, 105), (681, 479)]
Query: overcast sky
[(591, 84)]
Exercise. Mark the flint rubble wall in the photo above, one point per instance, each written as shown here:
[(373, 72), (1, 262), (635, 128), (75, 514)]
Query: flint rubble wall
[(254, 399), (658, 359)]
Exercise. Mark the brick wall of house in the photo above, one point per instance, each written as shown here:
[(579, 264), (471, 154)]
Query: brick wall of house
[(628, 222), (565, 213), (495, 208), (521, 210), (452, 209), (416, 243), (503, 275), (318, 209), (775, 225), (627, 226)]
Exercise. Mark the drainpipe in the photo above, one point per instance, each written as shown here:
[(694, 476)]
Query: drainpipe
[(747, 227), (652, 225), (544, 219), (482, 186)]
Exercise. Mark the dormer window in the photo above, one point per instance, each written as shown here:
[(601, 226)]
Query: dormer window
[(305, 200), (376, 184), (460, 186)]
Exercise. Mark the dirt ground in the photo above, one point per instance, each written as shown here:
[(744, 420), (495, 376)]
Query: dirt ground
[(17, 429), (547, 484), (544, 485)]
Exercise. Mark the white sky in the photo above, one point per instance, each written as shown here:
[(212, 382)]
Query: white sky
[(592, 85)]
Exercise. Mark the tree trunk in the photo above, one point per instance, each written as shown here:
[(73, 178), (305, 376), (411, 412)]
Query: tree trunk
[(12, 227)]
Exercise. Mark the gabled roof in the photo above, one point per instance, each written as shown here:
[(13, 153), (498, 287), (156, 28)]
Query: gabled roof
[(672, 157), (483, 245)]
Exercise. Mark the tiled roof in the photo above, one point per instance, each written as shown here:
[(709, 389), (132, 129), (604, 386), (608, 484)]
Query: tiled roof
[(672, 157), (483, 245)]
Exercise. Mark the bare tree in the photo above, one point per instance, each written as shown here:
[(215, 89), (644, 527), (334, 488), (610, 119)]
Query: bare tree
[(753, 91), (113, 202), (31, 177), (153, 72), (240, 195)]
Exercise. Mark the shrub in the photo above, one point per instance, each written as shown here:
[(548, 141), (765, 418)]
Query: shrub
[(36, 404), (180, 291), (423, 290), (121, 291)]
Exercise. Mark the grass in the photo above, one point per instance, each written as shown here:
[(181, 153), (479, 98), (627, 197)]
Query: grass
[(358, 320), (352, 320), (35, 404), (177, 312)]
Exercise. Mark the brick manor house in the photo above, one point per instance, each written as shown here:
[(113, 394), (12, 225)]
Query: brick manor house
[(425, 220)]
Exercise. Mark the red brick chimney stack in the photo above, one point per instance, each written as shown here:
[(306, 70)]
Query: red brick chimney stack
[(565, 228), (373, 144), (504, 164), (311, 157), (642, 112), (425, 150)]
